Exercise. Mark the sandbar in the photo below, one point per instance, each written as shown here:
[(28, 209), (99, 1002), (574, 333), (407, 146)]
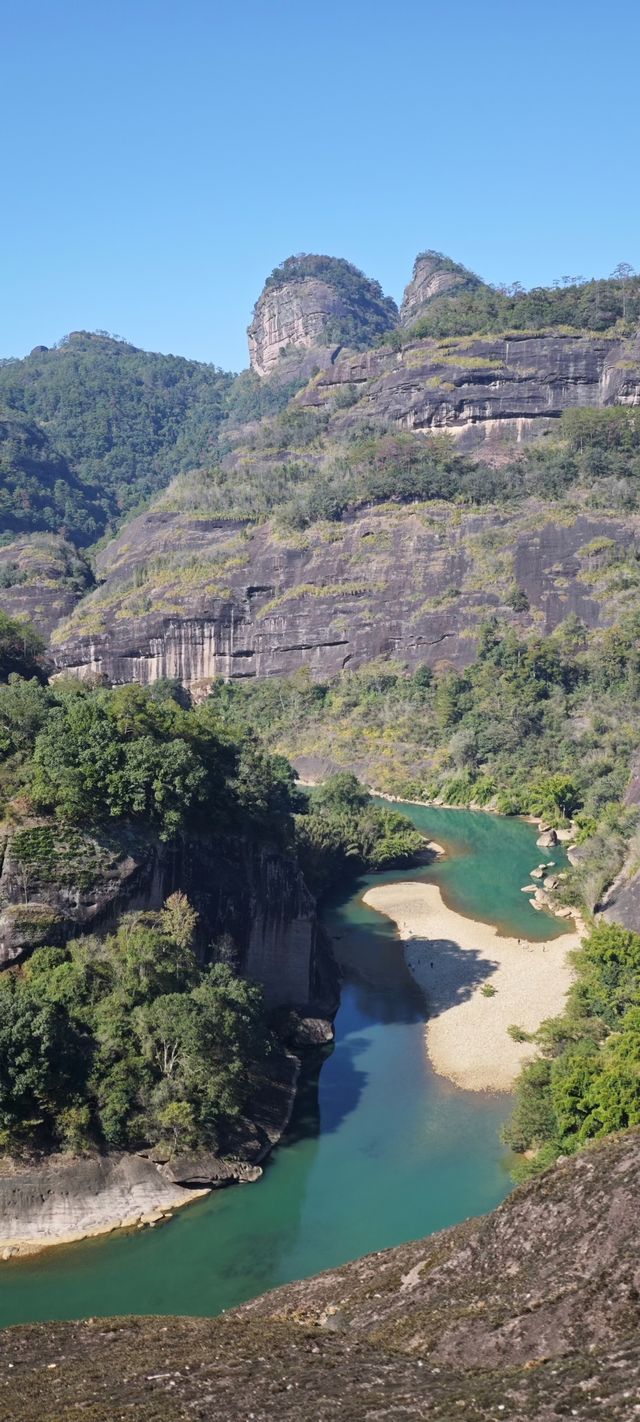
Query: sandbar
[(453, 957)]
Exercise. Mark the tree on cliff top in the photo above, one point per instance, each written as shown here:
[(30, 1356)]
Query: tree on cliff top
[(367, 313)]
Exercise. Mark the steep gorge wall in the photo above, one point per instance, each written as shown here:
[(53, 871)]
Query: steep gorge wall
[(251, 892)]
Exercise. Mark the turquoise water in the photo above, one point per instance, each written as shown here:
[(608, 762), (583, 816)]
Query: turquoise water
[(379, 1150)]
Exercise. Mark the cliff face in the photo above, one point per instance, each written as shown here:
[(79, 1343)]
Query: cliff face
[(529, 1314), (294, 315), (433, 275), (412, 582), (55, 885), (484, 390), (315, 302)]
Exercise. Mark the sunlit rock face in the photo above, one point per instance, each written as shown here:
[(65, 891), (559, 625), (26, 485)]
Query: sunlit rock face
[(433, 275), (397, 583), (314, 302), (294, 315), (484, 390)]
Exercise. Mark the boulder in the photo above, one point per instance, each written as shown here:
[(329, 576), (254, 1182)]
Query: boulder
[(204, 1169)]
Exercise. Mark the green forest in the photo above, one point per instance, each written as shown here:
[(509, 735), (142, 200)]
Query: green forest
[(574, 304), (134, 1038), (124, 421)]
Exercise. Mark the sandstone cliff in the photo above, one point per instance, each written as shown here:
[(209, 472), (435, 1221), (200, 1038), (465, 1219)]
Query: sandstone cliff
[(313, 302), (487, 389), (412, 582), (530, 1314), (54, 886), (433, 275)]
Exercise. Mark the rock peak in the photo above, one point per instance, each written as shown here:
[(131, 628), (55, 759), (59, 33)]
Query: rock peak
[(315, 301), (434, 274)]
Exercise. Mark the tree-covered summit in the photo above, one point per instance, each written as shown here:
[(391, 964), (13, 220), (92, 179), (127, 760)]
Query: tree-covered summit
[(121, 423), (367, 313)]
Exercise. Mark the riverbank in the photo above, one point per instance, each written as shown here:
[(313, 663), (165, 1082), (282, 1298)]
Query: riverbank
[(477, 984), (63, 1200)]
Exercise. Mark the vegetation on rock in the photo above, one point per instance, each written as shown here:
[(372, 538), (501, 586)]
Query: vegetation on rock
[(574, 304), (127, 1042), (367, 313)]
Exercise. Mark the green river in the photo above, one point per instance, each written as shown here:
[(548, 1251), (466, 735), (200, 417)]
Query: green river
[(379, 1150)]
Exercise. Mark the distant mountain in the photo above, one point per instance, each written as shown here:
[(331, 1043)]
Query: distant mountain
[(123, 421)]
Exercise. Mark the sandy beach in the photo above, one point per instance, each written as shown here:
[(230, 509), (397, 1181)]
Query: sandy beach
[(453, 958)]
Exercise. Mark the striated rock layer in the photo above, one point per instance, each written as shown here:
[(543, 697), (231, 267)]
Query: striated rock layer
[(530, 1313), (414, 583), (485, 389)]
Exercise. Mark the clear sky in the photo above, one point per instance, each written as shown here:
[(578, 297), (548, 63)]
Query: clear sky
[(160, 157)]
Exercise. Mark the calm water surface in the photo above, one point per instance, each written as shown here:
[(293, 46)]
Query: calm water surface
[(379, 1151)]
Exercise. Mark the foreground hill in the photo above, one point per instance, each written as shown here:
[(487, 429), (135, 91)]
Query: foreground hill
[(530, 1313)]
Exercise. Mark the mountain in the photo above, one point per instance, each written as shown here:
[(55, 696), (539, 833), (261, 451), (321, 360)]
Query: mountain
[(316, 303), (529, 1313), (335, 502), (38, 489), (434, 275), (122, 421)]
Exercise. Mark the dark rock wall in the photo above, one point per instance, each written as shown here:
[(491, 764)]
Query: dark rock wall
[(488, 388)]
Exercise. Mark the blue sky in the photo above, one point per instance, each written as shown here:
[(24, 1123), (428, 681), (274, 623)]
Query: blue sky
[(161, 156)]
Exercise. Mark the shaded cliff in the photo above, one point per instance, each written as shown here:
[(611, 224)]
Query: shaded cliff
[(530, 1313), (413, 582), (57, 883)]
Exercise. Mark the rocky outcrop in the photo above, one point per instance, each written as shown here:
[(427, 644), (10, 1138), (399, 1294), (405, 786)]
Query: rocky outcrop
[(484, 390), (55, 885), (313, 302), (42, 577), (293, 315), (402, 583), (530, 1313), (60, 1200), (433, 275)]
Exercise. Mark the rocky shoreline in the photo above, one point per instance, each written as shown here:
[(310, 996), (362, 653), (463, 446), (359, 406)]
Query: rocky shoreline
[(63, 1200)]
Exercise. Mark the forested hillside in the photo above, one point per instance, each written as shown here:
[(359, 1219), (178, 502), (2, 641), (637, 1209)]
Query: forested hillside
[(124, 420), (139, 1038)]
